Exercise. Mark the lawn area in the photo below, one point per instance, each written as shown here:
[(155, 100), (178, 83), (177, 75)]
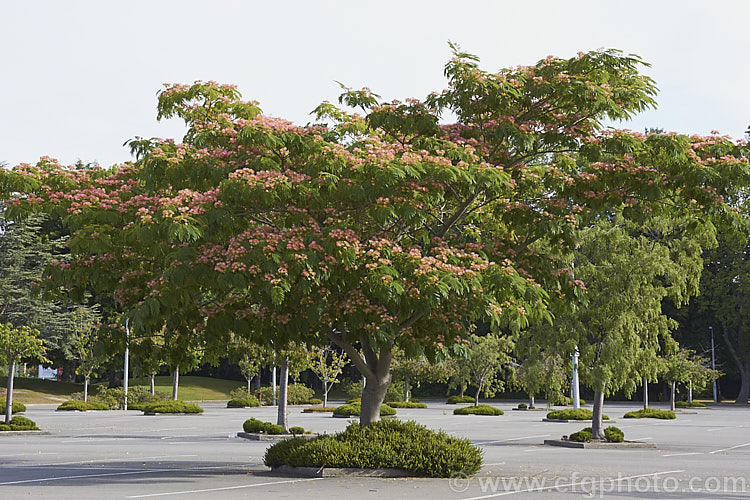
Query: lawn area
[(31, 390)]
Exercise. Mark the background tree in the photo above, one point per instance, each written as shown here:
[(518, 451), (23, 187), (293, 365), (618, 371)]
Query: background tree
[(684, 367), (483, 367), (84, 346), (328, 364), (16, 344), (543, 373)]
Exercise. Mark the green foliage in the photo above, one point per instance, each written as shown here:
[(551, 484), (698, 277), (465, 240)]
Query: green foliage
[(315, 401), (522, 406), (582, 436), (297, 430), (405, 404), (19, 423), (484, 364), (4, 427), (385, 444), (452, 400), (478, 410), (75, 404), (297, 394), (17, 407), (321, 409), (353, 400), (240, 398), (614, 434), (567, 401), (572, 414), (693, 404), (171, 406), (114, 397), (254, 425), (351, 389), (354, 409), (651, 413)]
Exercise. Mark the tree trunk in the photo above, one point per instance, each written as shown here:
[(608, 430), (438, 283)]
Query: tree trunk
[(690, 392), (645, 393), (257, 382), (175, 381), (463, 389), (597, 426), (283, 390), (744, 368), (153, 384), (672, 392), (372, 398), (531, 400), (85, 388), (744, 387), (9, 391), (249, 384), (325, 395), (406, 387)]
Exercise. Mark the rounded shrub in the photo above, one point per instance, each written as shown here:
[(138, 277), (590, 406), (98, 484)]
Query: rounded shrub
[(686, 404), (452, 400), (247, 401), (253, 425), (171, 406), (314, 401), (614, 434), (19, 423), (651, 413), (385, 444), (4, 427), (319, 409), (16, 407), (297, 394), (522, 406), (297, 430), (406, 404), (582, 436), (478, 410), (354, 409), (76, 405), (572, 414)]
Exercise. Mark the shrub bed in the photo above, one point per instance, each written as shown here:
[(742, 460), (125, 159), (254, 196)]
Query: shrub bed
[(573, 414), (694, 404), (321, 409), (76, 405), (611, 433), (297, 394), (249, 401), (170, 407), (478, 410), (452, 400), (651, 413), (314, 401), (354, 409), (260, 427), (386, 444), (16, 407), (19, 423), (405, 404), (567, 401)]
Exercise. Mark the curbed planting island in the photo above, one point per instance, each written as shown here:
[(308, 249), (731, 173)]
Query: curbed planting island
[(406, 447), (479, 410), (354, 409), (167, 407)]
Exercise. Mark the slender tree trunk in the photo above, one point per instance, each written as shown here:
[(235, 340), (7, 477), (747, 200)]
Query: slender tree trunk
[(249, 384), (9, 391), (463, 389), (531, 400), (283, 390), (406, 387), (672, 392), (86, 388), (597, 425), (744, 387), (744, 368), (153, 384), (325, 395), (645, 393), (690, 392), (175, 381), (257, 382)]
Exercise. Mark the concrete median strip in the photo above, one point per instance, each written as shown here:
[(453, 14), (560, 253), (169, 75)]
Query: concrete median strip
[(598, 445)]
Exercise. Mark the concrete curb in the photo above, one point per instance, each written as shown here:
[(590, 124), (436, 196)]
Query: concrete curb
[(339, 472), (530, 409), (576, 421), (252, 436), (626, 445), (25, 433)]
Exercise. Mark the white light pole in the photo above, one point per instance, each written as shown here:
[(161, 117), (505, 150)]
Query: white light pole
[(576, 397), (127, 359), (713, 363)]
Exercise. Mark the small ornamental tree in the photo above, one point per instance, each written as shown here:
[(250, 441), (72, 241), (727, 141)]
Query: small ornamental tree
[(16, 344), (84, 347), (685, 367), (483, 365), (543, 373), (328, 365), (377, 231)]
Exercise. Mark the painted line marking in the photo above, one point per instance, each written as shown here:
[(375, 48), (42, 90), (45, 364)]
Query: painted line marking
[(480, 443), (79, 476), (568, 485), (496, 463), (184, 492), (683, 454), (119, 459), (727, 449)]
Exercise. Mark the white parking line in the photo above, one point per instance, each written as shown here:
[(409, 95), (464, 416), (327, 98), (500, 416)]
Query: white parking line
[(568, 485), (184, 492), (682, 454), (79, 476), (480, 443), (727, 449)]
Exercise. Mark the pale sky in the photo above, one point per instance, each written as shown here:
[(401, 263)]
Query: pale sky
[(79, 78)]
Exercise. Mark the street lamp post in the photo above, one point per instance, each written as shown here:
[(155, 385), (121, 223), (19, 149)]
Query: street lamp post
[(576, 397), (127, 360)]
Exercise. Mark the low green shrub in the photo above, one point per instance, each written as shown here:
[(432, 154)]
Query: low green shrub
[(532, 407), (4, 427), (16, 407), (582, 436), (572, 414), (385, 444), (170, 406), (452, 400), (353, 400), (297, 430), (522, 406), (297, 394), (320, 409), (74, 404), (19, 423), (686, 404), (254, 425), (314, 401), (114, 397), (404, 404), (478, 410), (354, 409), (248, 401), (614, 434), (566, 401), (651, 413)]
